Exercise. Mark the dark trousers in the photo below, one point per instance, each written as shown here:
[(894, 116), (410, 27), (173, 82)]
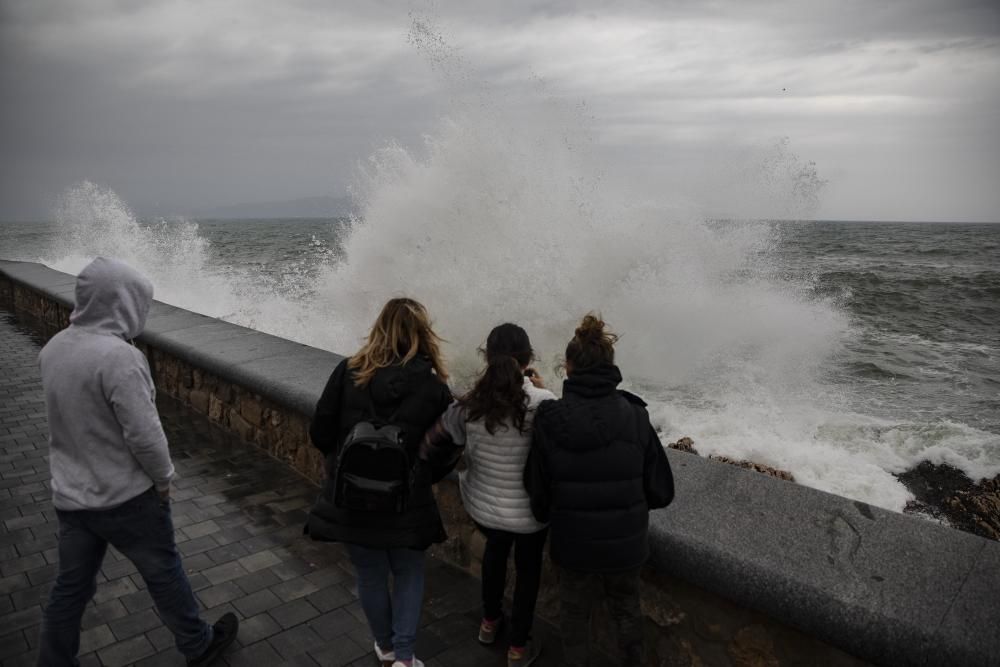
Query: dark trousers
[(578, 594), (142, 530), (528, 575)]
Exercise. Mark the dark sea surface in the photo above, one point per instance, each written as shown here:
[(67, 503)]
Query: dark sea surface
[(925, 300)]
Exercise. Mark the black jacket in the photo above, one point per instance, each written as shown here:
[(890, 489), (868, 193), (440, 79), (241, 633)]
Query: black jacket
[(595, 470), (416, 397)]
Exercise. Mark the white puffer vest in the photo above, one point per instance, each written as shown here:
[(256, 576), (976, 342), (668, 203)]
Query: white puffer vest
[(493, 482)]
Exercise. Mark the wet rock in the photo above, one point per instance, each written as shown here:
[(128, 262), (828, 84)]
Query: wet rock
[(759, 467), (946, 493), (684, 445)]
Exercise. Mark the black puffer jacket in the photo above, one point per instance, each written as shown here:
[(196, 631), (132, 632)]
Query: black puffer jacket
[(416, 396), (596, 469)]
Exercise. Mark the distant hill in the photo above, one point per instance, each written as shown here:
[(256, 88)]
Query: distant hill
[(307, 207)]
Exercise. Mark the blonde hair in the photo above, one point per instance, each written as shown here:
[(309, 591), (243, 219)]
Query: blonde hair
[(401, 331)]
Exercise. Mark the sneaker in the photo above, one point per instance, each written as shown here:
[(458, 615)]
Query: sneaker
[(223, 633), (488, 630), (416, 662), (385, 657), (522, 656)]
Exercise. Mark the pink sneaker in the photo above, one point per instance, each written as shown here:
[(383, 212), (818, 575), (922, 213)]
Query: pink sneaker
[(488, 630)]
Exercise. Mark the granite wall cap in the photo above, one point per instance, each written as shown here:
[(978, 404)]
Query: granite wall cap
[(291, 374), (884, 586)]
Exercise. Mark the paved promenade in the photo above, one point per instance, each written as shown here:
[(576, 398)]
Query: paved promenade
[(238, 516)]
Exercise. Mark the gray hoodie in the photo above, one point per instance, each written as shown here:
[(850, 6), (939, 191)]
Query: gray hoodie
[(106, 442)]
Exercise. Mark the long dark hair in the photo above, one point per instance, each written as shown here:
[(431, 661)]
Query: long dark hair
[(498, 398), (592, 345)]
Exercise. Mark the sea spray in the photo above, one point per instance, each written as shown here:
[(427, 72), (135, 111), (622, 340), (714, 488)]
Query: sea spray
[(93, 220)]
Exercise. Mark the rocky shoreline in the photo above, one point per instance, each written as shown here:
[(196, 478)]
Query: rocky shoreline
[(947, 494), (687, 445), (941, 492)]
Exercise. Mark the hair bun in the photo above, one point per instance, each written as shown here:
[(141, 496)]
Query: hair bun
[(591, 328)]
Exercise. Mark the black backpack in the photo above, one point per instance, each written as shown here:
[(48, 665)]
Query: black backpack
[(374, 469)]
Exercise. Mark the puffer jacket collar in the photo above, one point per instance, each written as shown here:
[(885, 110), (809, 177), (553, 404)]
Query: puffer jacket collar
[(593, 382)]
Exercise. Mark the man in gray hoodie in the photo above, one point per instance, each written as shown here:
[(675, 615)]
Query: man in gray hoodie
[(111, 469)]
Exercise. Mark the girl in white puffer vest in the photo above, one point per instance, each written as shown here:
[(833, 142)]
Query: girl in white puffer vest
[(493, 422)]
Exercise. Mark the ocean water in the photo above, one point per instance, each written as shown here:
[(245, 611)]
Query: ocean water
[(842, 351)]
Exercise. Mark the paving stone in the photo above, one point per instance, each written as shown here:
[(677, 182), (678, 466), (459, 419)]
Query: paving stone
[(331, 597), (201, 529), (16, 582), (293, 613), (257, 627), (135, 602), (260, 560), (161, 638), (299, 639), (96, 638), (342, 651), (133, 624), (258, 602), (225, 592), (126, 652), (335, 623), (30, 597), (19, 620), (12, 644), (224, 572), (227, 552), (168, 658), (255, 581), (23, 564), (97, 614), (255, 655), (112, 590), (294, 588)]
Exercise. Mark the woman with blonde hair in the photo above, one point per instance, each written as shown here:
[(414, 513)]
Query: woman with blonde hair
[(393, 387)]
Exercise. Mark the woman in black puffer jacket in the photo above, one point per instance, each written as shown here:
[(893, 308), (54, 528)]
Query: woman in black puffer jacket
[(400, 375), (595, 470)]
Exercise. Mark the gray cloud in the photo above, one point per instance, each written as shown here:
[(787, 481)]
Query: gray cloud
[(180, 106)]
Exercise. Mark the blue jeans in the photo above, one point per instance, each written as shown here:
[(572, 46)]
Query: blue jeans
[(393, 620), (142, 530)]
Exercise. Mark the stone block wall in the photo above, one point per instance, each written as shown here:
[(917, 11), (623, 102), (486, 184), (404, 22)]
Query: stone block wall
[(254, 418)]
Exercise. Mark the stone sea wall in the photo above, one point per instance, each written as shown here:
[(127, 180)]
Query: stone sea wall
[(746, 569)]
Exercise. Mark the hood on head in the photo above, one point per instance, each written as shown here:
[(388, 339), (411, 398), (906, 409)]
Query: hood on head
[(112, 298)]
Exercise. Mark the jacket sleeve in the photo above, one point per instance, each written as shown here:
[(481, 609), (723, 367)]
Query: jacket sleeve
[(439, 444), (537, 482), (658, 480), (132, 395), (324, 430), (445, 440)]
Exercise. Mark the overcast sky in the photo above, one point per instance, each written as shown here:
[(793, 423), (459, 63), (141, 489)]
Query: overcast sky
[(180, 105)]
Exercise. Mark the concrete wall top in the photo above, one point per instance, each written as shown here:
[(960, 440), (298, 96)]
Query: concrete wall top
[(289, 373), (886, 587)]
